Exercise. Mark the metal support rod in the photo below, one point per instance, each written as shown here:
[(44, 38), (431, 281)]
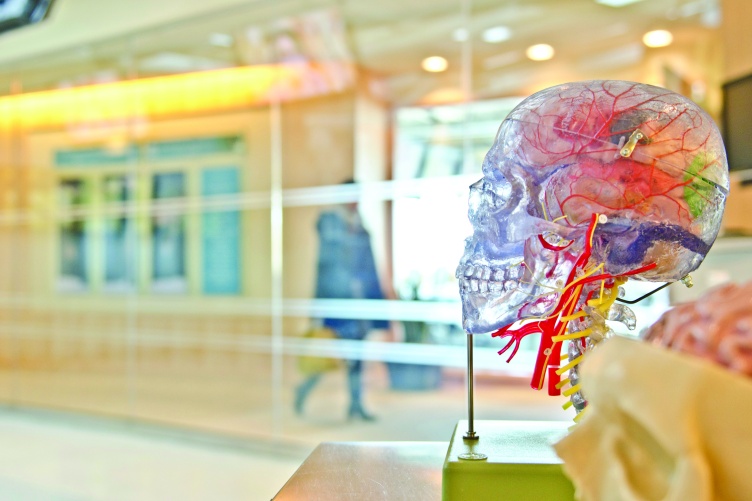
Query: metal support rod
[(470, 434)]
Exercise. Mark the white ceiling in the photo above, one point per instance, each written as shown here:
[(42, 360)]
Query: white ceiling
[(73, 23), (88, 40)]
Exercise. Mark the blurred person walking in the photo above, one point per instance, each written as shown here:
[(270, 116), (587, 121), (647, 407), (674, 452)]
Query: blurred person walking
[(346, 270)]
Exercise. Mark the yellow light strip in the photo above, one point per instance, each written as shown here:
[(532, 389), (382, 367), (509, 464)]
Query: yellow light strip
[(157, 97)]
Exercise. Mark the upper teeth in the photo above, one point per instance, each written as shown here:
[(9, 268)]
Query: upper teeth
[(485, 272), (483, 278)]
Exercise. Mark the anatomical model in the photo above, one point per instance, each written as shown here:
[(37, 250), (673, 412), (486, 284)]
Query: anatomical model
[(668, 416), (587, 184)]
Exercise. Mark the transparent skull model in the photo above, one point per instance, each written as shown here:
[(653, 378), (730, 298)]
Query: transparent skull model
[(587, 184)]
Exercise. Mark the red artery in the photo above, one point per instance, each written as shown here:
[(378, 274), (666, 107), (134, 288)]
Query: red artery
[(549, 351)]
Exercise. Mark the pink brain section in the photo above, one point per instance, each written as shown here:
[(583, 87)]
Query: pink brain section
[(717, 328), (574, 134), (632, 189)]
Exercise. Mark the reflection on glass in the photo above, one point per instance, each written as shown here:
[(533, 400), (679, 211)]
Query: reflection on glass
[(220, 234), (168, 236), (440, 160), (446, 140), (442, 141), (314, 44), (345, 269), (349, 100), (73, 275), (119, 234)]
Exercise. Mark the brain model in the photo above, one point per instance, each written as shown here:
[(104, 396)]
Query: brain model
[(716, 328), (586, 185)]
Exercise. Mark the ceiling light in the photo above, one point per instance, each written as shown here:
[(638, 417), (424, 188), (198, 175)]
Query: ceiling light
[(435, 64), (460, 35), (540, 52), (497, 34), (616, 3), (157, 98), (657, 38)]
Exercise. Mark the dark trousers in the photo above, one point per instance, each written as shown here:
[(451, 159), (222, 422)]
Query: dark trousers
[(354, 382)]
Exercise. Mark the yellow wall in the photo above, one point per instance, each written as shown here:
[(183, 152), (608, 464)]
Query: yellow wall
[(317, 149)]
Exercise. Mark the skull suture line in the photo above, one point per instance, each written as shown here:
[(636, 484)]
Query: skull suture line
[(587, 184)]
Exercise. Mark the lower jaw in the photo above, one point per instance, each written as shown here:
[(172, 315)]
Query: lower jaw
[(477, 324)]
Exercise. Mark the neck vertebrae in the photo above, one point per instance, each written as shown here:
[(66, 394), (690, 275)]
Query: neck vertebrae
[(584, 304)]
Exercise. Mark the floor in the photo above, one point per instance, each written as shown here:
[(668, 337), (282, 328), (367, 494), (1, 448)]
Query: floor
[(67, 459), (214, 455)]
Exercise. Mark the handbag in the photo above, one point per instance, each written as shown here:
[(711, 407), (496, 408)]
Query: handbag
[(313, 364)]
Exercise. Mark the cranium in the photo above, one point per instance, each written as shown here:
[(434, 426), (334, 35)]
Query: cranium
[(586, 184)]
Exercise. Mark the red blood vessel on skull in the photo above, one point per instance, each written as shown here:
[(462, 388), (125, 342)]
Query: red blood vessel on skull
[(587, 184)]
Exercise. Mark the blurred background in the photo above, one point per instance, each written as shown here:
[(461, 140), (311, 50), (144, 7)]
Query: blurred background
[(163, 166)]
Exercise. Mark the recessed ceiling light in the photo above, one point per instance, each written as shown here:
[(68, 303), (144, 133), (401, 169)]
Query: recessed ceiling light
[(435, 64), (540, 52), (221, 39), (616, 3), (497, 34), (657, 38)]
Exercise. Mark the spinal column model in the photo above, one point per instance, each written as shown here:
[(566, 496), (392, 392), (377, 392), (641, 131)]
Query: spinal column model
[(587, 184)]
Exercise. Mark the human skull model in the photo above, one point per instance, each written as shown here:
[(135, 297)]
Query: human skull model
[(587, 184)]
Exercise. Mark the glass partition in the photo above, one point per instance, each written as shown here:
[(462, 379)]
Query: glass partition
[(186, 207)]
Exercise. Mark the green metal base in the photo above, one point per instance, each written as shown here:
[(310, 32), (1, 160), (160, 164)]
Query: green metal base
[(520, 464)]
